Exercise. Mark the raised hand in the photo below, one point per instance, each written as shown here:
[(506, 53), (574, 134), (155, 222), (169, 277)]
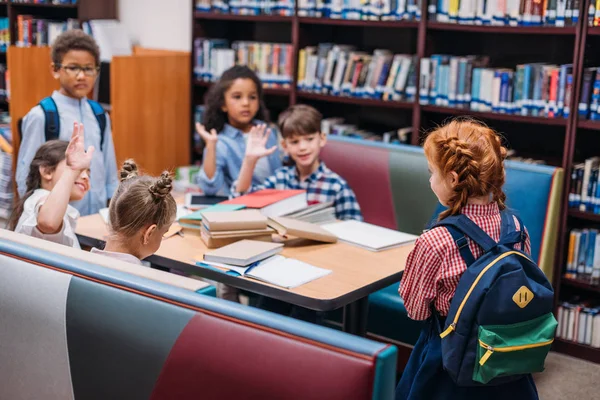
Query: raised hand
[(77, 157), (208, 137), (257, 142)]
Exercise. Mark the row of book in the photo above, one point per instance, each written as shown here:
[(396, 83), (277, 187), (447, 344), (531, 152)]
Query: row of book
[(271, 61), (340, 70), (594, 13), (584, 194), (4, 34), (583, 257), (537, 89), (6, 175), (247, 7), (4, 83), (373, 10), (32, 31), (589, 104), (505, 12), (579, 322)]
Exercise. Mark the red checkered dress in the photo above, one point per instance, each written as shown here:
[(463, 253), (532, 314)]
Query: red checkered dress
[(435, 266)]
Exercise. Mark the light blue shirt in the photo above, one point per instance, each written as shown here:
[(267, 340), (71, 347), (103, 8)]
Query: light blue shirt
[(231, 148), (103, 170)]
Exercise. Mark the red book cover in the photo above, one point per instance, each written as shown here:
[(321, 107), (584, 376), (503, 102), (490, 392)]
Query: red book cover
[(264, 198)]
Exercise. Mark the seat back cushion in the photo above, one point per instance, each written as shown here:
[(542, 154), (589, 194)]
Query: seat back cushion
[(366, 169)]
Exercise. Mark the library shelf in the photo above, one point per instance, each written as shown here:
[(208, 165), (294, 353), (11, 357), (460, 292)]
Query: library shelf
[(580, 284), (593, 31), (584, 216), (354, 100), (358, 23), (42, 5), (577, 350), (234, 17), (495, 116), (266, 90), (589, 124), (520, 30)]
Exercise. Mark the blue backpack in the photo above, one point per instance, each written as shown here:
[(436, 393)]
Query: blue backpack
[(52, 127), (500, 324)]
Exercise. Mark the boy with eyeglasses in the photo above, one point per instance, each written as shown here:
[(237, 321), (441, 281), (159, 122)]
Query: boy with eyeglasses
[(75, 64)]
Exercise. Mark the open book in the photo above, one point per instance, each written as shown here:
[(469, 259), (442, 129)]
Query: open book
[(276, 270)]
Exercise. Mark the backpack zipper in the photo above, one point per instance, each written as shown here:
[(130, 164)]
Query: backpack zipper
[(452, 327), (508, 349)]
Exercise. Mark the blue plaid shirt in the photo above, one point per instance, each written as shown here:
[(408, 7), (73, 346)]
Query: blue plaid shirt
[(321, 186)]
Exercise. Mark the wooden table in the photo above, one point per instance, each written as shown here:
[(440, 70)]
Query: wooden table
[(356, 272)]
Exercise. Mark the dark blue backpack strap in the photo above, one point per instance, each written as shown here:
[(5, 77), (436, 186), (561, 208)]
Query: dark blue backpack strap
[(463, 226), (509, 234), (52, 126), (101, 118)]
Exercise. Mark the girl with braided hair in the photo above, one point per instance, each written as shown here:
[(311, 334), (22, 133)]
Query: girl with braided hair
[(465, 160), (140, 213)]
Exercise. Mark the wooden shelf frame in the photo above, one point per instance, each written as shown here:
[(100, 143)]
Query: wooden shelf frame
[(428, 31)]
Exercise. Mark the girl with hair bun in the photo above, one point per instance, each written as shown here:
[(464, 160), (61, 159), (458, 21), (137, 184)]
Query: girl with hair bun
[(466, 163), (140, 213)]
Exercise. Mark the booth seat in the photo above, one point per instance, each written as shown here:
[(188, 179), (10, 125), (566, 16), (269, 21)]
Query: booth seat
[(73, 328), (391, 183)]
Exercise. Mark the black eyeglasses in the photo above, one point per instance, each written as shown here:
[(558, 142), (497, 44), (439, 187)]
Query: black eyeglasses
[(74, 70)]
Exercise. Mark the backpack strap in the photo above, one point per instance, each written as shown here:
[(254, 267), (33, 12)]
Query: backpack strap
[(52, 126), (101, 118), (461, 227), (509, 235)]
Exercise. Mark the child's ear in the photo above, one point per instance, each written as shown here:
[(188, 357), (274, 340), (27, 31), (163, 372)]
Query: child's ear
[(224, 108), (54, 71), (323, 139), (148, 234), (283, 144), (46, 173), (452, 178)]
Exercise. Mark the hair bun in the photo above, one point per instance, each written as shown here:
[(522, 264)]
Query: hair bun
[(162, 186), (128, 170)]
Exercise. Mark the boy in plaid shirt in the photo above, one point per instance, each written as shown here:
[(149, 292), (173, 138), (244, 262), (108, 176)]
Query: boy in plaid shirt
[(300, 127)]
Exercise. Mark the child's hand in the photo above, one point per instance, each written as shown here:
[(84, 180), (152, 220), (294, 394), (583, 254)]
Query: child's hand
[(77, 158), (208, 137), (257, 141)]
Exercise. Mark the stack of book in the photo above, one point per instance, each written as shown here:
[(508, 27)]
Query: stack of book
[(341, 70), (320, 213), (222, 228), (272, 62), (537, 89)]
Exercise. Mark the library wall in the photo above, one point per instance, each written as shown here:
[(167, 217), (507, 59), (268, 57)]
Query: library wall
[(157, 24)]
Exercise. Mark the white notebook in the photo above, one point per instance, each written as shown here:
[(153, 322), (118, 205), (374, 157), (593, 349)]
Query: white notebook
[(368, 236), (277, 270)]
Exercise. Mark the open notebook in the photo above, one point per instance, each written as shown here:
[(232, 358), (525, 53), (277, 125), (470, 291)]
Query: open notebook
[(368, 236), (276, 270)]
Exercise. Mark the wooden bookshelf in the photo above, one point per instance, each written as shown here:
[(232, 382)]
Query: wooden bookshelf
[(581, 284), (358, 23), (507, 46), (495, 116), (518, 30), (585, 216), (355, 100), (577, 350)]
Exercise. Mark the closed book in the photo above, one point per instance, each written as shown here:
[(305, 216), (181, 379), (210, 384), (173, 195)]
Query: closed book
[(238, 233), (215, 243), (195, 219), (288, 226), (243, 253), (235, 220), (272, 202)]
